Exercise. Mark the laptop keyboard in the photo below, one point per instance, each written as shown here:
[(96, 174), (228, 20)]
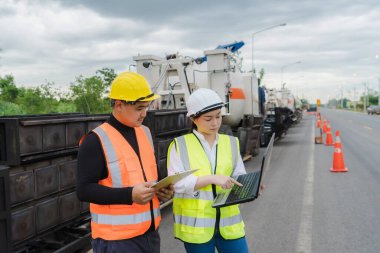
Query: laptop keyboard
[(239, 192)]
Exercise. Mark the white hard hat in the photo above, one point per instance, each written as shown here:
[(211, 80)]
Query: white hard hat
[(201, 101)]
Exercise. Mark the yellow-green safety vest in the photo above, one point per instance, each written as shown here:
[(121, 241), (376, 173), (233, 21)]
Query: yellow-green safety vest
[(194, 218)]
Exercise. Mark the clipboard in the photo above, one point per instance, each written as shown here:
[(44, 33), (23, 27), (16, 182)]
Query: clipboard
[(172, 179)]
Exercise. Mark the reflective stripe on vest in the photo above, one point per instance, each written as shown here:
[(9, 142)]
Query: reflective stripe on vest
[(194, 218), (204, 195), (229, 221), (183, 154), (124, 219), (194, 222), (112, 158), (234, 150), (147, 132), (207, 222)]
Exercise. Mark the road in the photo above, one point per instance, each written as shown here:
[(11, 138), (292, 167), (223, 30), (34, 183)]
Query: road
[(305, 207)]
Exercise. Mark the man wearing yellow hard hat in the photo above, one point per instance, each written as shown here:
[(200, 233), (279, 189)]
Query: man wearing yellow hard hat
[(116, 167)]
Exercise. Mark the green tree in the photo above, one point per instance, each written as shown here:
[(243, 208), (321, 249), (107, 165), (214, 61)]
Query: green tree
[(8, 108), (66, 103), (8, 89), (371, 99), (107, 75), (88, 94), (32, 101)]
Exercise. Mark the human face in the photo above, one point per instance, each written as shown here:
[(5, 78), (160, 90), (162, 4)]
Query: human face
[(209, 123), (131, 115)]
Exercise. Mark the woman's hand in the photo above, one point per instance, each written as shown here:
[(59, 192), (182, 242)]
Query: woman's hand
[(225, 182), (262, 188)]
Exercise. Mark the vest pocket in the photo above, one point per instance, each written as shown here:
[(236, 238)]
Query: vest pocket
[(192, 230), (131, 172)]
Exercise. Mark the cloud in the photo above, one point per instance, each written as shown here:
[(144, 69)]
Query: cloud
[(59, 40)]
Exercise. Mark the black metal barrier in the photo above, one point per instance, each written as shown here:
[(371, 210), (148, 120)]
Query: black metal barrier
[(5, 218), (39, 210), (26, 139)]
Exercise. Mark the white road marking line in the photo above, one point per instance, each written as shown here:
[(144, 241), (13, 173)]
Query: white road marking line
[(304, 237), (367, 127)]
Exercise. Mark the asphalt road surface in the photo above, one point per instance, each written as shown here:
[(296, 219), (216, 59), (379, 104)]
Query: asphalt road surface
[(305, 207)]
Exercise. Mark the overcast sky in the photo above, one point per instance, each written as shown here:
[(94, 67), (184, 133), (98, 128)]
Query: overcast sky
[(56, 41)]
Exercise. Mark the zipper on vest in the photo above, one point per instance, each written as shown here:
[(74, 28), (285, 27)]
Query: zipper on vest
[(217, 218), (152, 224), (214, 194)]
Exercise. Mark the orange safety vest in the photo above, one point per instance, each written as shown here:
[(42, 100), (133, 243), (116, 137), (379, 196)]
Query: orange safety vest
[(118, 222)]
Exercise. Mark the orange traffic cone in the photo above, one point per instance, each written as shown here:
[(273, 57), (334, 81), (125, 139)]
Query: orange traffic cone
[(338, 161), (319, 124), (329, 138), (324, 128)]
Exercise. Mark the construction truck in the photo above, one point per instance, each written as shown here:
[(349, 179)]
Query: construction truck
[(39, 210), (175, 77), (282, 110)]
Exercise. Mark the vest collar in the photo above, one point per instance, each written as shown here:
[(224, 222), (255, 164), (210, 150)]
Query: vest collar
[(203, 140)]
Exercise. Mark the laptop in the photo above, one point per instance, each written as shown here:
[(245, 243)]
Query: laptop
[(250, 181)]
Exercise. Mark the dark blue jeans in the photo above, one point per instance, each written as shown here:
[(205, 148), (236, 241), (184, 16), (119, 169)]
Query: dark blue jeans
[(146, 243), (222, 245)]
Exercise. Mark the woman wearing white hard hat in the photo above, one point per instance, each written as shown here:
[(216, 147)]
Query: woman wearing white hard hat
[(201, 227)]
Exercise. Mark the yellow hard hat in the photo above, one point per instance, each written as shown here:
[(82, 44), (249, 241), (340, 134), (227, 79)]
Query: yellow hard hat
[(130, 86)]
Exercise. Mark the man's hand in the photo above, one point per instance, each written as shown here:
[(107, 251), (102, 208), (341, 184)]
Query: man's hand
[(164, 194), (142, 193)]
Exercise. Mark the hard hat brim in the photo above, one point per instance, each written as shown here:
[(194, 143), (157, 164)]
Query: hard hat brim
[(207, 109), (154, 97)]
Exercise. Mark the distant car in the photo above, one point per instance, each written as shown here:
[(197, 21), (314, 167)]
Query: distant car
[(312, 108), (373, 109)]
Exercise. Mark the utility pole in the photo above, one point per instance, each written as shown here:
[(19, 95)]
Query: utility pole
[(378, 100), (282, 72), (355, 99), (365, 97), (377, 57)]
